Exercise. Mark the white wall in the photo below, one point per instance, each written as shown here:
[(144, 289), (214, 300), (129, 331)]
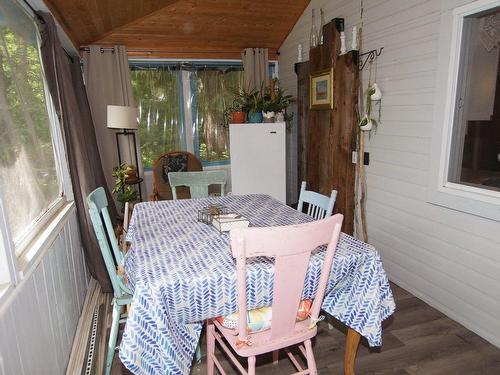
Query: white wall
[(38, 321), (448, 258)]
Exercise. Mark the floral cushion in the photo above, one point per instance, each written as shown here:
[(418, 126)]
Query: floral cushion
[(261, 319), (174, 163)]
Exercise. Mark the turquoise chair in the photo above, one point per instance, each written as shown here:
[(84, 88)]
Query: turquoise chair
[(319, 205), (197, 182), (98, 209)]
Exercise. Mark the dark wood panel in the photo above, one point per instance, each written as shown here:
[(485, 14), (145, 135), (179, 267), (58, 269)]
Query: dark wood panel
[(331, 133), (302, 71)]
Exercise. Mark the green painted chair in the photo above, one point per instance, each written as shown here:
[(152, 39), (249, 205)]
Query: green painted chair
[(197, 182), (98, 209)]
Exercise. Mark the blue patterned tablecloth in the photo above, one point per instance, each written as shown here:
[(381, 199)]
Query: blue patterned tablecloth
[(182, 272)]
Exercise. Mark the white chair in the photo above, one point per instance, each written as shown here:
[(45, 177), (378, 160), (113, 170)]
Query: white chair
[(319, 205)]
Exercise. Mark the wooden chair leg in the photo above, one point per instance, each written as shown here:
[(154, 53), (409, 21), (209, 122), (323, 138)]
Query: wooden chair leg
[(276, 356), (251, 365), (311, 362), (210, 347), (113, 335)]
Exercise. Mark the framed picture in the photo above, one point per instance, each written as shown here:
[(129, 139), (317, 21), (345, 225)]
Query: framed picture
[(321, 89)]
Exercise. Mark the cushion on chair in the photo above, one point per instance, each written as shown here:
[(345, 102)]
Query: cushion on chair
[(174, 163), (261, 319)]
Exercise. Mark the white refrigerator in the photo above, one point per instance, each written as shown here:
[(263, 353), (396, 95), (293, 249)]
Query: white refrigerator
[(258, 163)]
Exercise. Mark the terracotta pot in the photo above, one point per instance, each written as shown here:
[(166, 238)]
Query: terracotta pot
[(238, 117)]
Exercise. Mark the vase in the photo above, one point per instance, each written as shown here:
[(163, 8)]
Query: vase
[(377, 95), (238, 117), (268, 116), (368, 126), (255, 117)]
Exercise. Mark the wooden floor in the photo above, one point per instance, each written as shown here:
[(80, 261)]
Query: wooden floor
[(417, 340)]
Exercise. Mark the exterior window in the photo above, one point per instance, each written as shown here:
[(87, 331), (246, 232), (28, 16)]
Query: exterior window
[(474, 158), (30, 184), (182, 108)]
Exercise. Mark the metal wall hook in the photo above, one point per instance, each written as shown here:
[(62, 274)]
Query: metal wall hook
[(370, 56)]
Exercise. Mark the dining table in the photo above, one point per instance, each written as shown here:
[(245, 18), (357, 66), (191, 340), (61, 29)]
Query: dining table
[(181, 272)]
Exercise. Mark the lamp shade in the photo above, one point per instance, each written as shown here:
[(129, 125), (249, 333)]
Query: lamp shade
[(122, 117)]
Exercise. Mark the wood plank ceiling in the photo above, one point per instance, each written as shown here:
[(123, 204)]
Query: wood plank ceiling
[(179, 28)]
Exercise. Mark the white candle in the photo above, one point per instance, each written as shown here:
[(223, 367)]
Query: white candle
[(299, 52), (342, 43), (354, 42)]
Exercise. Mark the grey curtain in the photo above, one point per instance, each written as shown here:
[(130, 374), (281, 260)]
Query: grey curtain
[(107, 80), (256, 68), (65, 83)]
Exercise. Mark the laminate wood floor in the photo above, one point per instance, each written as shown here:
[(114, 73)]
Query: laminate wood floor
[(417, 339)]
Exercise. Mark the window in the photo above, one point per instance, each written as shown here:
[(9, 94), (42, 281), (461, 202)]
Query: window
[(182, 107), (30, 187), (475, 148), (465, 167)]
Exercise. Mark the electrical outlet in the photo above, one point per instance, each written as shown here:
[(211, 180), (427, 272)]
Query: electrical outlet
[(366, 158), (354, 157)]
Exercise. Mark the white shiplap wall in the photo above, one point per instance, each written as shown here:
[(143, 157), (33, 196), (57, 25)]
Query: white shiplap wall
[(448, 258), (38, 321)]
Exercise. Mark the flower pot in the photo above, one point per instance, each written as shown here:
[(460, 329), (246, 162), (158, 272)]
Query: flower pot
[(268, 116), (238, 117), (280, 117), (255, 117), (377, 95), (368, 124)]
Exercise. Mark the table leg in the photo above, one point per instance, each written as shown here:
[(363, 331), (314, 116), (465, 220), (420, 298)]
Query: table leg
[(351, 348)]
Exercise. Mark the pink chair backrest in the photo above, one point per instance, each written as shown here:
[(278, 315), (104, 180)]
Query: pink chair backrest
[(291, 246)]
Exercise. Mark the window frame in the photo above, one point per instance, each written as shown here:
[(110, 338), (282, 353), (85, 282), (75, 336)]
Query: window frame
[(22, 257), (473, 200)]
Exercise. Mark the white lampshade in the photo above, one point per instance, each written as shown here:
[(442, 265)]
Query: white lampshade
[(122, 117)]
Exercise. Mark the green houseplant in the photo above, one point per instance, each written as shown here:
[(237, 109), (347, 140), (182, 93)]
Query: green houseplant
[(276, 102), (124, 192)]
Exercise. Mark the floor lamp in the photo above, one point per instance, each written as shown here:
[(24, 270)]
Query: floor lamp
[(125, 118)]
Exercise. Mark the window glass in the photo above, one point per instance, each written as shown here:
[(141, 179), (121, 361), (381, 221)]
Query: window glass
[(475, 151), (29, 181), (215, 90), (161, 126), (182, 108)]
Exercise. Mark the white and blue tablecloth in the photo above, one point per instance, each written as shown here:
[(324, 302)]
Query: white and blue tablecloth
[(182, 272)]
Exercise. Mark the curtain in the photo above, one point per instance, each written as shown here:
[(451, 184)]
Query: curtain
[(107, 80), (161, 123), (256, 67), (214, 91), (65, 84), (183, 109)]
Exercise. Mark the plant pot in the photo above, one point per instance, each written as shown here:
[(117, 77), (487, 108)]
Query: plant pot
[(377, 95), (238, 117), (280, 117), (255, 117), (268, 116), (368, 124)]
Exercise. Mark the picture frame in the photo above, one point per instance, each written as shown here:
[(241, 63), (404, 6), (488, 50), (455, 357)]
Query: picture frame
[(321, 89)]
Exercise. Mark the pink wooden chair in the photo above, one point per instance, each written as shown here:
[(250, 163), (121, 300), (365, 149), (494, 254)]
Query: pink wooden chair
[(291, 246)]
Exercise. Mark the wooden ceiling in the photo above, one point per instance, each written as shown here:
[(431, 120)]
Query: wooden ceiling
[(179, 28)]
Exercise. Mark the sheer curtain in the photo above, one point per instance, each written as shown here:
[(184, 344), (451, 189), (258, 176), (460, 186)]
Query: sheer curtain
[(182, 108), (157, 92)]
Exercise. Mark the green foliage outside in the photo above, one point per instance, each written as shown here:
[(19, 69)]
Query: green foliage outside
[(157, 92), (28, 178)]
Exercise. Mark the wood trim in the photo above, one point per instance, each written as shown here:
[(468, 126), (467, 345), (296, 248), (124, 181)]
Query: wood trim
[(60, 19)]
